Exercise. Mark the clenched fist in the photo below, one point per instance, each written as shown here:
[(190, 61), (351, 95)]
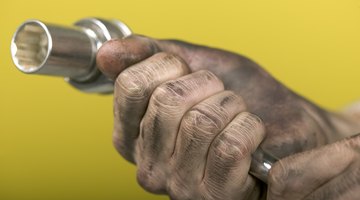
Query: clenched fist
[(183, 116)]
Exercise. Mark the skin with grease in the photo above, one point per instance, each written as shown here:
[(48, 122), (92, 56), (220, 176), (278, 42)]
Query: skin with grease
[(190, 117)]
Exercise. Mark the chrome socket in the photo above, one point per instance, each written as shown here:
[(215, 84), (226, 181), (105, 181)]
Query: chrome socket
[(66, 51)]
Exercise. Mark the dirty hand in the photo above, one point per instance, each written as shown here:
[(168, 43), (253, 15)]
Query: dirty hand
[(326, 173), (189, 137)]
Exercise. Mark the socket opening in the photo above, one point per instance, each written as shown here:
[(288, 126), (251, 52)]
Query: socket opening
[(30, 46)]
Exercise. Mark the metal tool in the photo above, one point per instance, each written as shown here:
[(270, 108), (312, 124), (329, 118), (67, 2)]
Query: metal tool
[(70, 52), (67, 51)]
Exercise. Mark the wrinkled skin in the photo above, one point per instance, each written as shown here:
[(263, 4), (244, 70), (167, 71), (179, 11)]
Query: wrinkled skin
[(330, 172), (191, 116)]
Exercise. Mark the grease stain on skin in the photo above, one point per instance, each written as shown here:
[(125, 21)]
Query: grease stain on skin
[(173, 86), (225, 100)]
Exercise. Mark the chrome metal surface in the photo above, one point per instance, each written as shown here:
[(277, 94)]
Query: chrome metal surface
[(261, 164), (67, 51)]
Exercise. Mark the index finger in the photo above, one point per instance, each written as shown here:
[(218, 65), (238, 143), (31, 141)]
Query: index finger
[(299, 175)]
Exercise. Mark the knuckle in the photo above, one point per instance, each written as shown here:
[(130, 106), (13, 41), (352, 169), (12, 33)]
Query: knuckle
[(251, 120), (229, 149), (208, 75), (230, 96), (163, 59), (139, 80), (202, 120), (150, 180), (237, 141), (211, 77), (233, 99), (170, 94), (212, 115), (131, 85), (247, 127)]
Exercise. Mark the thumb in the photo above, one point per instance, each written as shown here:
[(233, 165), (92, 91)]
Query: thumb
[(117, 54)]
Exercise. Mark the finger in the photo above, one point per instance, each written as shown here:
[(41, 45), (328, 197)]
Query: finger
[(117, 54), (299, 175), (160, 124), (344, 186), (133, 88), (226, 174), (198, 128)]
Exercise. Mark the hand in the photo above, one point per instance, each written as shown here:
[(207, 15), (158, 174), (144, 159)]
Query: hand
[(326, 173), (192, 135), (292, 123)]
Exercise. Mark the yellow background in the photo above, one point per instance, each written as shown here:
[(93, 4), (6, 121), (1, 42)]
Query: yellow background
[(55, 142)]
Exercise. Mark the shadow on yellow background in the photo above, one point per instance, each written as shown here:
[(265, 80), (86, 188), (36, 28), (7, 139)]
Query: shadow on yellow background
[(55, 142)]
